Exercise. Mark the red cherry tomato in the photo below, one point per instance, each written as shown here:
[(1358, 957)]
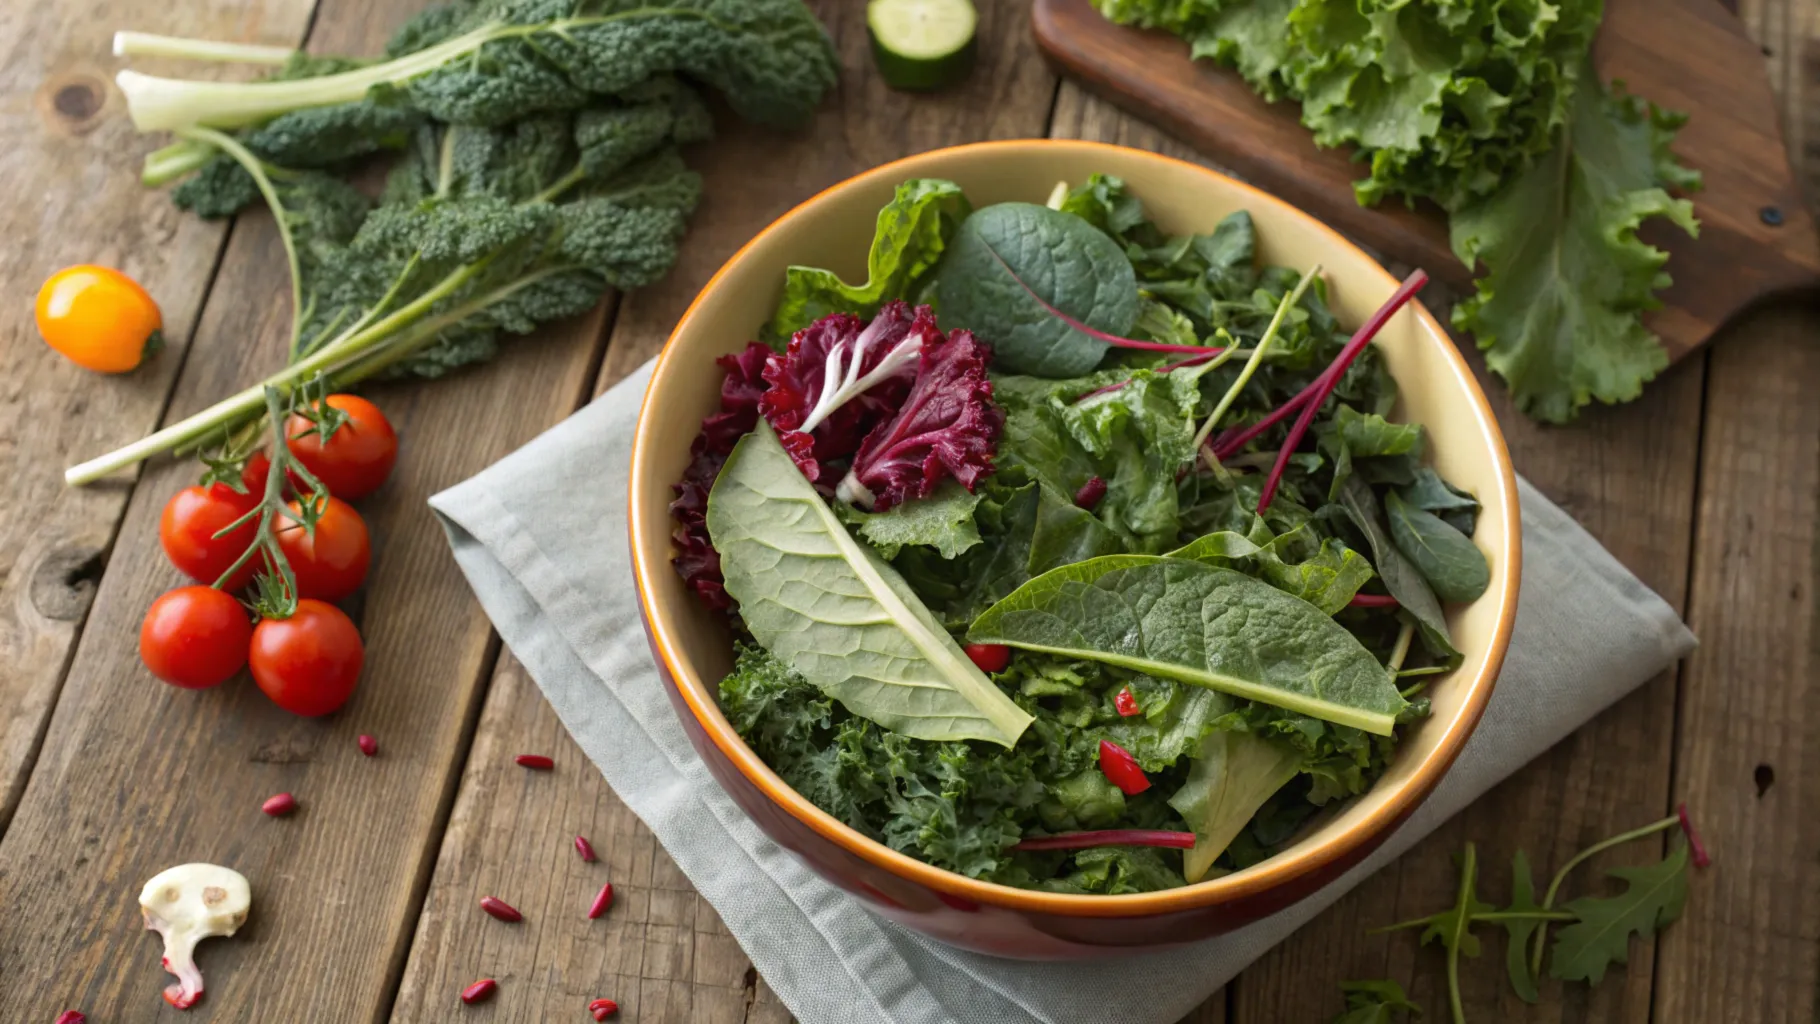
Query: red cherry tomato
[(330, 562), (989, 657), (187, 530), (194, 637), (308, 664), (359, 454), (252, 481)]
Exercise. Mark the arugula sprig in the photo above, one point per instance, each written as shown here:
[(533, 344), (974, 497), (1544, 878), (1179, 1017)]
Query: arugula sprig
[(1596, 930)]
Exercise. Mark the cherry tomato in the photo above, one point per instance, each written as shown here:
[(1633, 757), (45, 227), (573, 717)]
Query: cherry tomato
[(331, 562), (359, 454), (195, 637), (187, 530), (989, 657), (252, 480), (308, 664), (99, 318)]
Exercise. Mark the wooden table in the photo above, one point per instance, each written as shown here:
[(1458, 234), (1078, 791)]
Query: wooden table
[(1706, 488)]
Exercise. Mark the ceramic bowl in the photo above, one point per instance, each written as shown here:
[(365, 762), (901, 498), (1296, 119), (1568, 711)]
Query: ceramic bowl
[(693, 647)]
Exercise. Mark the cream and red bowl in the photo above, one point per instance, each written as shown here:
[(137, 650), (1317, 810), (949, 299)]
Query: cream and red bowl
[(693, 647)]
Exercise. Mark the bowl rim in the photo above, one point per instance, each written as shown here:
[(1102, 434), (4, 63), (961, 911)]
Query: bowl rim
[(1296, 862)]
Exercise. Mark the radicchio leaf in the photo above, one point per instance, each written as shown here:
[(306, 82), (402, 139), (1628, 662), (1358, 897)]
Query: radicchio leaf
[(819, 361), (946, 426), (696, 560)]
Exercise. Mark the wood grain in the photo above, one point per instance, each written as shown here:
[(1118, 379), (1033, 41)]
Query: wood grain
[(1748, 948), (136, 776), (662, 952), (1688, 55), (70, 160)]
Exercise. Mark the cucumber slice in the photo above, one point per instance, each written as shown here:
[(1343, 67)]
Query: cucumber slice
[(922, 44)]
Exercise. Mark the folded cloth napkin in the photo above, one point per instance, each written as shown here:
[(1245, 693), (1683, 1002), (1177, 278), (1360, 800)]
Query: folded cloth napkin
[(550, 564)]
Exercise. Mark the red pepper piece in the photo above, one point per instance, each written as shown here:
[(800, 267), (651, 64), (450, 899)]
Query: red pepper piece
[(601, 902), (479, 991), (72, 1017), (1127, 704), (535, 762), (603, 1008), (1122, 769), (501, 909), (989, 657), (368, 745), (585, 849), (280, 805)]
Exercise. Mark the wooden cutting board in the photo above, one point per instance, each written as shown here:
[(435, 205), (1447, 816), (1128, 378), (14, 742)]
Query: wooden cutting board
[(1757, 236)]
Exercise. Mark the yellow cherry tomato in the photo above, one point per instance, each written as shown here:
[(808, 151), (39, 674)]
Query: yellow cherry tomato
[(99, 318)]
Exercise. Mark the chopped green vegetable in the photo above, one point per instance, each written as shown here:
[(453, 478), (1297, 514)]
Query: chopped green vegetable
[(1234, 773), (922, 44)]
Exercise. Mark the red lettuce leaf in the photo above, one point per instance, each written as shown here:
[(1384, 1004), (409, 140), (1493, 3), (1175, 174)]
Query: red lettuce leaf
[(799, 379), (946, 426), (696, 560)]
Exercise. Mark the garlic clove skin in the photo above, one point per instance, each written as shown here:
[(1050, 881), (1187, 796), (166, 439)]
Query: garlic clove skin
[(187, 904)]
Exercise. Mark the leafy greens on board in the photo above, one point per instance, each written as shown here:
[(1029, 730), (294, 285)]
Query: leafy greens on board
[(1245, 664), (1494, 112)]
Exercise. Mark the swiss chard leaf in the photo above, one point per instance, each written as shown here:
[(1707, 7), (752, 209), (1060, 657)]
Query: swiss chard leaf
[(1013, 265), (1654, 896), (1451, 563), (913, 231), (1203, 625), (835, 612), (1232, 775), (1404, 581)]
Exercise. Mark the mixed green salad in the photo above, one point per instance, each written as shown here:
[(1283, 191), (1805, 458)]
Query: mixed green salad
[(1069, 554)]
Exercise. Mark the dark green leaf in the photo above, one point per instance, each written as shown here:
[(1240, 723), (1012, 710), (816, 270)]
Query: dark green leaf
[(1404, 581), (1451, 563), (1375, 1002), (1202, 625), (1516, 952), (1013, 263), (1653, 896)]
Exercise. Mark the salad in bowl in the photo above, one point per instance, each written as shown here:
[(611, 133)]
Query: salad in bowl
[(1063, 562)]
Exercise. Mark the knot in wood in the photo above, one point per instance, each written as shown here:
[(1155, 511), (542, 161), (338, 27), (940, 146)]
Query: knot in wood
[(63, 584)]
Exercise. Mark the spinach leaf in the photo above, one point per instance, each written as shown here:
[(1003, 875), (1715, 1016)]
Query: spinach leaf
[(1203, 625), (834, 611), (1394, 448), (1404, 581), (1428, 491), (913, 231), (943, 521), (1233, 774), (1453, 565), (1014, 264)]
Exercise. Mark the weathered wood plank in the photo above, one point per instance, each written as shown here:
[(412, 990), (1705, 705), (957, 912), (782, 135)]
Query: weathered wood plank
[(1625, 475), (662, 947), (1749, 945), (70, 161), (136, 776)]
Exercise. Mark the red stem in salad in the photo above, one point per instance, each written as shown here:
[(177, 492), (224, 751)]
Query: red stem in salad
[(1372, 601), (1109, 837), (1330, 378), (1694, 845)]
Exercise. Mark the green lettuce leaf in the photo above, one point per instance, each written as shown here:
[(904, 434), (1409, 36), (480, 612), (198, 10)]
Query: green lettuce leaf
[(943, 521), (835, 612), (913, 231), (1566, 277), (1203, 625), (1233, 774)]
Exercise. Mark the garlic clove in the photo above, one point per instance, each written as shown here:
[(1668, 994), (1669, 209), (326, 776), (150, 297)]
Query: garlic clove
[(187, 904)]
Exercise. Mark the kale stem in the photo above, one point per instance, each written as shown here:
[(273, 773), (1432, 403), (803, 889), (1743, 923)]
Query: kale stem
[(1257, 354), (147, 44), (165, 165), (1554, 887), (256, 168), (445, 162), (1401, 650)]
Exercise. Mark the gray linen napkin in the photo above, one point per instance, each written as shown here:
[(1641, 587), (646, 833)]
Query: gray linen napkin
[(550, 564)]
